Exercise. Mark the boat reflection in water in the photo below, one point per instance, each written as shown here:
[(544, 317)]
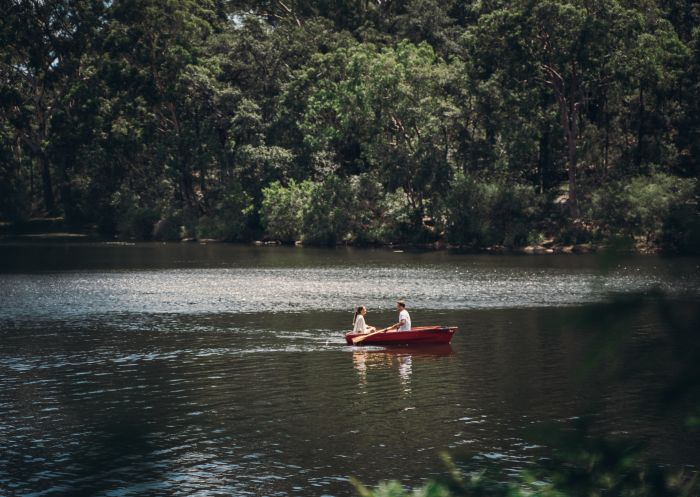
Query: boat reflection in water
[(400, 359)]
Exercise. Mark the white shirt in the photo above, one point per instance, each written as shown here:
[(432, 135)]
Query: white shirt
[(403, 316), (360, 326)]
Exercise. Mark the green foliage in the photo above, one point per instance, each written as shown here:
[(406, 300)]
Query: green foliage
[(182, 100), (645, 206), (167, 229), (400, 221), (327, 219), (14, 205), (483, 213), (681, 231), (283, 209), (573, 234), (579, 464), (336, 210), (384, 110), (136, 222), (229, 218)]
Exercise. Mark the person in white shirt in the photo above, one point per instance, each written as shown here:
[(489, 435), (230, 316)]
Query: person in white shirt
[(358, 321), (404, 323)]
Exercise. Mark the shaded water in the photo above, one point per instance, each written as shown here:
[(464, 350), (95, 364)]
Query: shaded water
[(196, 370)]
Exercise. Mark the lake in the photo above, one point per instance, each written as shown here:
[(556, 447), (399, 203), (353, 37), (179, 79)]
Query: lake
[(217, 369)]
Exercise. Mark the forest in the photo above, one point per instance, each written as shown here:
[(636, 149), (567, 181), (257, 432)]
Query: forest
[(476, 124)]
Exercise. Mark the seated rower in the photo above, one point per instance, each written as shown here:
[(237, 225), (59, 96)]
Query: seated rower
[(404, 323), (358, 321)]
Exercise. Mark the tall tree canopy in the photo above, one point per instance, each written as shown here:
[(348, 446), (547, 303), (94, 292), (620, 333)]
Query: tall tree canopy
[(183, 118)]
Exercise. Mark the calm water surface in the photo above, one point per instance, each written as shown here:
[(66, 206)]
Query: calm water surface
[(183, 369)]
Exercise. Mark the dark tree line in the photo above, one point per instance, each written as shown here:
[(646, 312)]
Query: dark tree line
[(354, 121)]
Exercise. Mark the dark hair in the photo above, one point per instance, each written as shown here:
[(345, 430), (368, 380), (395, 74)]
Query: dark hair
[(401, 303), (359, 310)]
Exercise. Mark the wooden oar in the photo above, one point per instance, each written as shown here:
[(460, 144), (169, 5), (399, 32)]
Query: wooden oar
[(361, 338)]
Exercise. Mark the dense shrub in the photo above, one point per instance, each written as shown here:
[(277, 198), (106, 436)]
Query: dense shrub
[(15, 198), (644, 205), (136, 222), (367, 210), (484, 213), (283, 208), (14, 202), (329, 215), (357, 210), (228, 218), (681, 231), (400, 222), (351, 209), (318, 213), (167, 229)]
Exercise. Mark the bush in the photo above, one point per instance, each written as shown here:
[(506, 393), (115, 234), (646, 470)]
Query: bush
[(579, 464), (573, 234), (367, 210), (283, 208), (228, 219), (336, 210), (330, 215), (645, 206), (14, 202), (681, 231), (484, 213), (357, 210), (167, 229), (137, 222), (400, 222)]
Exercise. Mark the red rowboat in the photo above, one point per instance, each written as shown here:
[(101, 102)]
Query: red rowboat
[(420, 335)]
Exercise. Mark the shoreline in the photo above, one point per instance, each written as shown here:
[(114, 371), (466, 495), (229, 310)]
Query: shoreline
[(64, 237), (54, 230)]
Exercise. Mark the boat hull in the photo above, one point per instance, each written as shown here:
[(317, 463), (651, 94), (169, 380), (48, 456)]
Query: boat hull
[(417, 336)]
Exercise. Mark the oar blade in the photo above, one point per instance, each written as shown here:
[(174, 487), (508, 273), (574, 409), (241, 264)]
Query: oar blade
[(361, 338)]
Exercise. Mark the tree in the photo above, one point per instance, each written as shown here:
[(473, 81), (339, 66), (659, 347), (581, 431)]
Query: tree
[(385, 110), (574, 49), (42, 49), (150, 52), (283, 209)]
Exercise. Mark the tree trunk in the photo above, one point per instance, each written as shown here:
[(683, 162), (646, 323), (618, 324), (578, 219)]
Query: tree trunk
[(544, 160), (639, 155), (572, 142), (49, 203), (569, 122), (71, 213), (568, 101), (606, 154)]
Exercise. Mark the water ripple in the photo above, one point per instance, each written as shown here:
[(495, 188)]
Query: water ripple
[(84, 295)]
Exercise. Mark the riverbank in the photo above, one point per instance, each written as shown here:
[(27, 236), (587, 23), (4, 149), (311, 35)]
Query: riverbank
[(55, 229)]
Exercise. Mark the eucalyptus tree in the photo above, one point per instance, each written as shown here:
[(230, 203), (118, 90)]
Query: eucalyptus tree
[(384, 111), (688, 126), (574, 50), (344, 14), (43, 54), (151, 60)]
